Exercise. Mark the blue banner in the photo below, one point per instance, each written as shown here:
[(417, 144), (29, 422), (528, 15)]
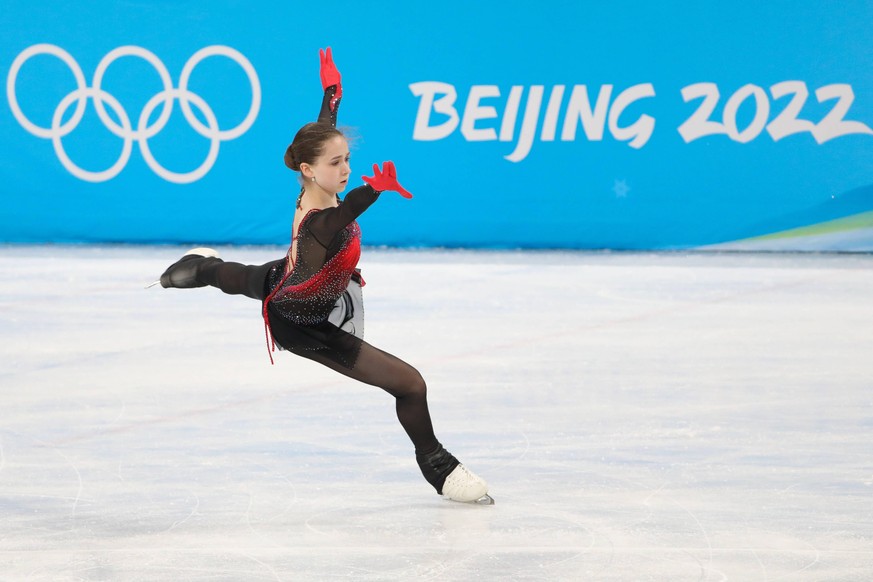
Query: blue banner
[(623, 125)]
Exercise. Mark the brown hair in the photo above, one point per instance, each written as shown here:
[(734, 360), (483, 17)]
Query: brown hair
[(309, 143)]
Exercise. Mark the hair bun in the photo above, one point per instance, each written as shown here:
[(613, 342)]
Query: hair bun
[(290, 159)]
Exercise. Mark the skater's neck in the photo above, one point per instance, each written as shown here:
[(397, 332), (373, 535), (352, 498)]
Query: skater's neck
[(317, 197)]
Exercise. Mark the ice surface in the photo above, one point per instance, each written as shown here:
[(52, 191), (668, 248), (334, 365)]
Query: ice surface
[(660, 417)]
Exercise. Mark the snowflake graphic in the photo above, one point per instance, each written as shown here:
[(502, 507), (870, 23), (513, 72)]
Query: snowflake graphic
[(620, 188)]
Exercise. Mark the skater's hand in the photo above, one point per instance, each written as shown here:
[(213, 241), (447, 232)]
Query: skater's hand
[(386, 179), (330, 76), (329, 73)]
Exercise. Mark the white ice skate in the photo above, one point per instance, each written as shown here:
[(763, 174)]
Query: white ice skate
[(466, 487)]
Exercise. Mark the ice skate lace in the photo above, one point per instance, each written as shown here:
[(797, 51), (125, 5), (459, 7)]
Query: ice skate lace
[(461, 482)]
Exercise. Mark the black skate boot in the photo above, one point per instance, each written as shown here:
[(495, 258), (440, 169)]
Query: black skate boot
[(451, 479), (183, 273)]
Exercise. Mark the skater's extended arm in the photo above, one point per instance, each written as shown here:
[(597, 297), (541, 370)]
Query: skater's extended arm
[(331, 82), (327, 223)]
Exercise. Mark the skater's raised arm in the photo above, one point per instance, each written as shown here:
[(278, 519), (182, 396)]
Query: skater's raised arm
[(331, 82)]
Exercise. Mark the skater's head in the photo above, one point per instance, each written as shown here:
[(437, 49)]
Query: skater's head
[(320, 152)]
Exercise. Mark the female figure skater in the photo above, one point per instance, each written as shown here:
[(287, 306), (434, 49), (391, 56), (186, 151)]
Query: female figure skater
[(311, 298)]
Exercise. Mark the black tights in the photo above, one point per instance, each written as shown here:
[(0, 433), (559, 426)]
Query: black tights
[(373, 366), (398, 379)]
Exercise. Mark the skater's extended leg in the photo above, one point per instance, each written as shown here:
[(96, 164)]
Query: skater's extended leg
[(236, 278), (202, 267)]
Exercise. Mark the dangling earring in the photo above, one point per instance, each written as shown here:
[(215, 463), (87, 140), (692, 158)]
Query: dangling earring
[(313, 178)]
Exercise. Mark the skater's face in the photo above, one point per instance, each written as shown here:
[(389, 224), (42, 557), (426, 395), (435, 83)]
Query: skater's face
[(331, 169)]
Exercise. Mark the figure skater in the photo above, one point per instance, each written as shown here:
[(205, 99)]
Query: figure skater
[(311, 298)]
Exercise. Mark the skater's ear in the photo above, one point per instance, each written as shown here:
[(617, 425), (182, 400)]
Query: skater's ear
[(306, 170)]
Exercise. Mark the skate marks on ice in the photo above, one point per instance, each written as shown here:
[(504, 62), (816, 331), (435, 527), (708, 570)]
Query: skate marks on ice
[(675, 421)]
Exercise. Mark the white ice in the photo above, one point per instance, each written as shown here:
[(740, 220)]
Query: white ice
[(665, 417)]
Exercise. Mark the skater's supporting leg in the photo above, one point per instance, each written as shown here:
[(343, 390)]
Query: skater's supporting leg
[(440, 468), (378, 368)]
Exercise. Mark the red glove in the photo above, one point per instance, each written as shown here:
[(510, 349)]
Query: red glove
[(330, 76), (386, 180)]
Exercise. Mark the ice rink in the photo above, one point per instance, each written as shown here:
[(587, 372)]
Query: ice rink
[(666, 417)]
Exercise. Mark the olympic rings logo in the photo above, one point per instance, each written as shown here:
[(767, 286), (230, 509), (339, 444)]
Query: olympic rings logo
[(124, 129)]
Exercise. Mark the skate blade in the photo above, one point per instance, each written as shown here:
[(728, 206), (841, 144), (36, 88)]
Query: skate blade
[(150, 285), (484, 500)]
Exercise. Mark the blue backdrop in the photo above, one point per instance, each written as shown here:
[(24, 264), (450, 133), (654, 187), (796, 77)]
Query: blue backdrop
[(551, 124)]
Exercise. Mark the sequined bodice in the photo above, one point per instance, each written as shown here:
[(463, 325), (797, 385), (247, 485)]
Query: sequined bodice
[(328, 248), (307, 294)]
